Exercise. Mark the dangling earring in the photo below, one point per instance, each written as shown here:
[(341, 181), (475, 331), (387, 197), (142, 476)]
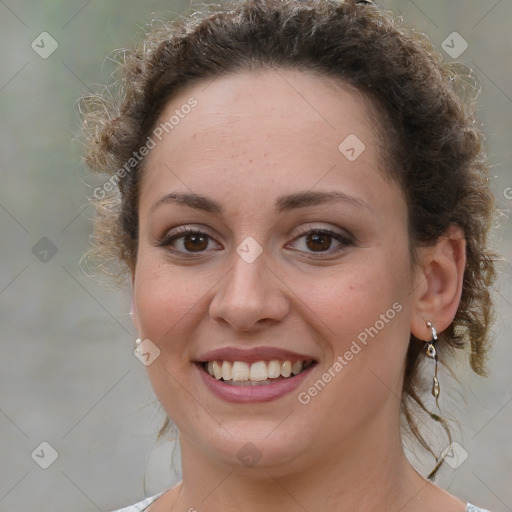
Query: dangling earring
[(432, 354), (138, 347)]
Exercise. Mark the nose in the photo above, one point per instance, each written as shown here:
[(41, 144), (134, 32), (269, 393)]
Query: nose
[(250, 297)]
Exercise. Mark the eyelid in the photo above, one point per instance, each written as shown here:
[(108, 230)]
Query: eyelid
[(308, 228), (184, 229), (312, 226)]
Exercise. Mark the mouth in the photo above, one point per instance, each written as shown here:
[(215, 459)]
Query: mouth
[(257, 373), (257, 376)]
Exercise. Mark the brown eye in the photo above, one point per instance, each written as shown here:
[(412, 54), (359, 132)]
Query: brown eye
[(188, 241), (319, 241), (195, 242)]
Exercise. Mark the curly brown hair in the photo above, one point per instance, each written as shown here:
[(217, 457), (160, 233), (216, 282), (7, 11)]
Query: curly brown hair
[(431, 147)]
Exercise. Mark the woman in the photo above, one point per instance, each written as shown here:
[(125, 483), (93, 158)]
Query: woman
[(299, 197)]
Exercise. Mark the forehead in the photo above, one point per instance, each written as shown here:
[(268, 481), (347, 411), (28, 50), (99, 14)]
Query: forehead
[(265, 129), (268, 99)]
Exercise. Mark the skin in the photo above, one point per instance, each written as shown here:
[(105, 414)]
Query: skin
[(252, 138)]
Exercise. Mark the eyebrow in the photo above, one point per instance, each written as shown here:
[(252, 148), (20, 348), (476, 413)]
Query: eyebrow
[(283, 204)]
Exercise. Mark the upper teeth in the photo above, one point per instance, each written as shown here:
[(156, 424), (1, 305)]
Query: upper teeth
[(257, 372)]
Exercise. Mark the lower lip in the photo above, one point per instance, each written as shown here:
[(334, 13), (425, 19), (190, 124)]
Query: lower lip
[(252, 394)]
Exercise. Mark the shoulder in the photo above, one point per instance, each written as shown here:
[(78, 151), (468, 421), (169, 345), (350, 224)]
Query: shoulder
[(140, 506), (472, 508)]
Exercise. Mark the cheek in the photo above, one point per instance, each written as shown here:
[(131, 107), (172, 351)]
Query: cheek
[(355, 296), (361, 312), (168, 300), (164, 296), (172, 303), (362, 316)]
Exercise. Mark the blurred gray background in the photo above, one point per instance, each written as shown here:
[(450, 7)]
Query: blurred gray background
[(68, 376)]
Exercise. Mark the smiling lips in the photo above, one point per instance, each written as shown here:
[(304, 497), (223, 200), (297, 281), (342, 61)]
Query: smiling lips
[(253, 375)]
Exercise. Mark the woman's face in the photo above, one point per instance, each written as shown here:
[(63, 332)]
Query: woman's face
[(270, 236)]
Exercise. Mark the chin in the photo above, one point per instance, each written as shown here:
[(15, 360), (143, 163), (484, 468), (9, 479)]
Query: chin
[(253, 445)]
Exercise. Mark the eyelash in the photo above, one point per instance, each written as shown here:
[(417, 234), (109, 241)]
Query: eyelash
[(343, 239), (167, 241)]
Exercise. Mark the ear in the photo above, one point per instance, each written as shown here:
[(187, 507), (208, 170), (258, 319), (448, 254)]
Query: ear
[(438, 284)]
